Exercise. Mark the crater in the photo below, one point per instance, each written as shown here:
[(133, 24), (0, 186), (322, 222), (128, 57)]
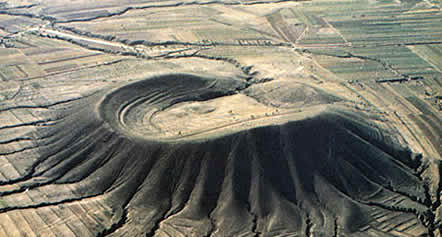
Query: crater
[(133, 108), (183, 106), (324, 171)]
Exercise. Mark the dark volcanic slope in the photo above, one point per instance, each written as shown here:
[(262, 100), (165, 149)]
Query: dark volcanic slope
[(329, 175)]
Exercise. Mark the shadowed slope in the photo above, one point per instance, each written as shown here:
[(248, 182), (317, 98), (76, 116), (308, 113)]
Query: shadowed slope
[(331, 174)]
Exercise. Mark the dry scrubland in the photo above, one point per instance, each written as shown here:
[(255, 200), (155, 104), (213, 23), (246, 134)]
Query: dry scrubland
[(220, 118)]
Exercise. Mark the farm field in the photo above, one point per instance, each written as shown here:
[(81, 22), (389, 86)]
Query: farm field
[(220, 118)]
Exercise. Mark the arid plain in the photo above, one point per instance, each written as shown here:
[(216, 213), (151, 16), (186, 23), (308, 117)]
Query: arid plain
[(220, 118)]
